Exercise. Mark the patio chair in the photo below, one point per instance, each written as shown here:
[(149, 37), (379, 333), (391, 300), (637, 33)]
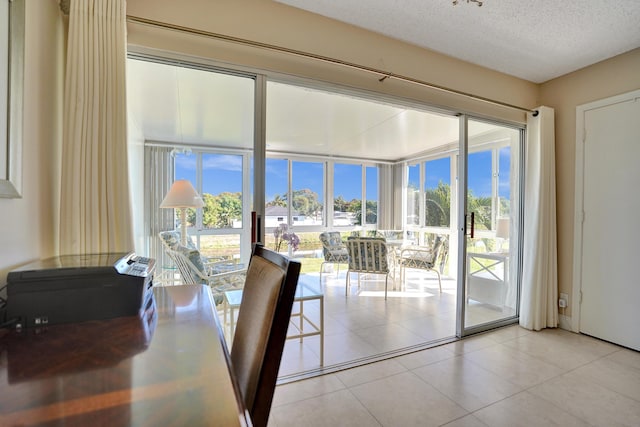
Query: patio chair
[(195, 270), (171, 240), (367, 255), (421, 257), (333, 250)]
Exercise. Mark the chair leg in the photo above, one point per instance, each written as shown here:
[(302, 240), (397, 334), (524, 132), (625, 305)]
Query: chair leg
[(321, 268), (386, 280), (347, 282), (439, 281)]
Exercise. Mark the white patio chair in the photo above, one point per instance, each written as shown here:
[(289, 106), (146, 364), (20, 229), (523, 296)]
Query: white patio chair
[(367, 255), (333, 250), (421, 257)]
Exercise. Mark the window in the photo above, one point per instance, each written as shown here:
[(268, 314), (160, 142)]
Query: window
[(480, 183), (307, 184), (371, 195), (347, 190), (277, 192), (413, 194), (218, 178), (504, 182), (222, 191), (433, 194), (437, 192)]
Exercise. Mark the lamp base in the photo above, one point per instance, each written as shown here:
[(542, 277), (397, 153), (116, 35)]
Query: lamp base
[(183, 226)]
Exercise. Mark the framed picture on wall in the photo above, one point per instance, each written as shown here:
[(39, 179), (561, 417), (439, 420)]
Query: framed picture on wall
[(11, 96)]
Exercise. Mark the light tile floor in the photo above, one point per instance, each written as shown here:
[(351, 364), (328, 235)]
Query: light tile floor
[(507, 377), (363, 324)]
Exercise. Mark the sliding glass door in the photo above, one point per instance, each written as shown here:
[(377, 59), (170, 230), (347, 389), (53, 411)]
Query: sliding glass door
[(490, 279), (201, 119)]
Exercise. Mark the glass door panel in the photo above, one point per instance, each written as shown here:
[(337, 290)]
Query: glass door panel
[(493, 189)]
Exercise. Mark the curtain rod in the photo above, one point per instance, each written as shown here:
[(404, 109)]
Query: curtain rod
[(383, 74)]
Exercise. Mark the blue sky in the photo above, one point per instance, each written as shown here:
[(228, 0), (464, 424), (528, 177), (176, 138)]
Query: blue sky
[(223, 172)]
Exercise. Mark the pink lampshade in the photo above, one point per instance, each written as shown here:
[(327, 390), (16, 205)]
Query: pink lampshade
[(182, 195)]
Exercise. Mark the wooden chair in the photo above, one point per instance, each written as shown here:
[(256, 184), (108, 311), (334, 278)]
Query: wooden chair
[(367, 255), (261, 328)]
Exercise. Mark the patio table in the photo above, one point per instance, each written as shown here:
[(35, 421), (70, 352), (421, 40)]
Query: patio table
[(307, 290)]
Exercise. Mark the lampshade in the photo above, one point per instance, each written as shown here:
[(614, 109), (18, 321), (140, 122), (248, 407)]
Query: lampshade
[(182, 195), (502, 228)]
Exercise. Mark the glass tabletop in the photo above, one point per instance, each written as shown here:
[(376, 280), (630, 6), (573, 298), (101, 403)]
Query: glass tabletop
[(305, 290)]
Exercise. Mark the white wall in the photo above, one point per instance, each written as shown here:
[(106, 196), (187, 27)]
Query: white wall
[(28, 224), (617, 75), (281, 25)]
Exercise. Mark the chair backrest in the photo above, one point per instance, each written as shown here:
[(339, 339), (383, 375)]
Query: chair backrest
[(367, 255), (172, 238), (424, 256), (189, 264), (331, 242), (261, 328)]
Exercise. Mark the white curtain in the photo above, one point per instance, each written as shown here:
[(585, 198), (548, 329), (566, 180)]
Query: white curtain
[(95, 209), (390, 199), (538, 304), (385, 197)]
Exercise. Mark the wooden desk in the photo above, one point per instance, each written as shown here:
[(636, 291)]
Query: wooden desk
[(169, 367)]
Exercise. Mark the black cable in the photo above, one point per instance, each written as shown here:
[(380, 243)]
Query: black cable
[(8, 323)]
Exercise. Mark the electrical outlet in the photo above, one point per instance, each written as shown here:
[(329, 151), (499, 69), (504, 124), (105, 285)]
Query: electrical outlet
[(563, 301)]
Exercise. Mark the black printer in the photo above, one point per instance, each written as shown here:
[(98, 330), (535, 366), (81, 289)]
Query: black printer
[(78, 288)]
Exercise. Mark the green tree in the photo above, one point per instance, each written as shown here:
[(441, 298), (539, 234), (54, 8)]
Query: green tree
[(355, 206), (438, 206), (306, 202), (219, 211), (340, 204), (278, 200), (481, 206)]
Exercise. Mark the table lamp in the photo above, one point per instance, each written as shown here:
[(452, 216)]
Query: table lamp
[(181, 196), (502, 231)]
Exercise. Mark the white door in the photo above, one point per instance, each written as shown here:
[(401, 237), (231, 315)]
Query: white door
[(610, 265)]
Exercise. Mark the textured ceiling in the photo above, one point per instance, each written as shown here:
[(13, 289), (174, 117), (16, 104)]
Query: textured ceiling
[(534, 40)]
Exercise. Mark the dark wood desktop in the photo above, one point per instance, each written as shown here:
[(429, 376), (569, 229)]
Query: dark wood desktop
[(169, 367)]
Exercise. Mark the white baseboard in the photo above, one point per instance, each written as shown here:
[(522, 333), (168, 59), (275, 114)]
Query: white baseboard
[(564, 322)]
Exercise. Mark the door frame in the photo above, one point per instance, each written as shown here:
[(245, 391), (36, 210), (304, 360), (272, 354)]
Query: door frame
[(573, 323)]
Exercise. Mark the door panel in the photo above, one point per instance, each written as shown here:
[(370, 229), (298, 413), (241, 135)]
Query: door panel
[(492, 197), (610, 285)]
